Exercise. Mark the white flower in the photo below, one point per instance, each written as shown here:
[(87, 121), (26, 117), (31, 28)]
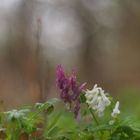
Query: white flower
[(116, 110), (97, 100)]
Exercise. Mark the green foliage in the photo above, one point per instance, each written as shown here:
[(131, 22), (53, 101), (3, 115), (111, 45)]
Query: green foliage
[(25, 120), (61, 124), (56, 122)]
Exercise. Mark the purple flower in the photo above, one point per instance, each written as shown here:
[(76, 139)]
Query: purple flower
[(63, 84), (69, 89), (60, 79)]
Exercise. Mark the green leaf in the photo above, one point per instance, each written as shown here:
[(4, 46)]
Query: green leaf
[(53, 101), (50, 110), (61, 124), (15, 114), (82, 98), (123, 132), (102, 127), (47, 106)]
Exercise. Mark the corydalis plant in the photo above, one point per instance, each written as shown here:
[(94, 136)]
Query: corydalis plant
[(70, 90), (116, 110), (97, 100)]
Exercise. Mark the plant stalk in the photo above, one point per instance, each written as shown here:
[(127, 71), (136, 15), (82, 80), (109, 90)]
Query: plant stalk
[(93, 115)]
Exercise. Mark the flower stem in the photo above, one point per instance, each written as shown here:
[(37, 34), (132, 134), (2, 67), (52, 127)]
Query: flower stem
[(93, 115)]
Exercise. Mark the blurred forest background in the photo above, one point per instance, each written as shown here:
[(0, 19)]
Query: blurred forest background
[(100, 38)]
